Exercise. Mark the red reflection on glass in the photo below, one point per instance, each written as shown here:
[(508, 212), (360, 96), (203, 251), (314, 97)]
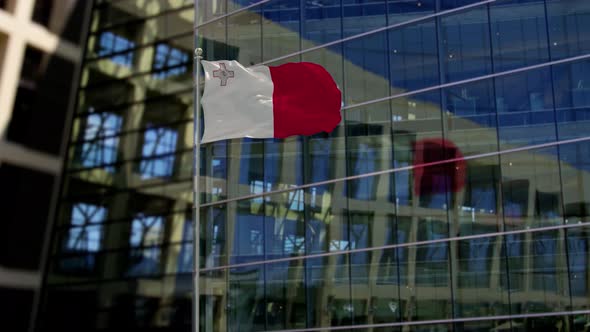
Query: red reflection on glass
[(440, 177)]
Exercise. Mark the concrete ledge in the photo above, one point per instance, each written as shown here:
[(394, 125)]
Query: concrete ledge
[(19, 155), (23, 279)]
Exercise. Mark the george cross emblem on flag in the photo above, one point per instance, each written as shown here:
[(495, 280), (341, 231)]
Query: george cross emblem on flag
[(299, 98), (223, 74)]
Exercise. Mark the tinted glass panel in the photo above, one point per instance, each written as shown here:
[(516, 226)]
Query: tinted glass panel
[(428, 202)]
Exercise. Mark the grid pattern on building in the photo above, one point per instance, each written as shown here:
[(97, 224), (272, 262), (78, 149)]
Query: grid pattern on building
[(496, 240), (39, 52), (126, 195)]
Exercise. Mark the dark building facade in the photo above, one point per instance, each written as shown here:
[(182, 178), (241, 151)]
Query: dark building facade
[(40, 52), (294, 236)]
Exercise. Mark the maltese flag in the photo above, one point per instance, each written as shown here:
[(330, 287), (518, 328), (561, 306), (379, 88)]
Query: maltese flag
[(264, 101)]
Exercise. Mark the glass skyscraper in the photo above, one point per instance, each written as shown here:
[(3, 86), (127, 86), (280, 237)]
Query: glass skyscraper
[(453, 196)]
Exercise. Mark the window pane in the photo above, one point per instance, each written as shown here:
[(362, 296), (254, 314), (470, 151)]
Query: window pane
[(369, 150), (538, 273), (146, 235), (109, 43), (450, 4), (322, 23), (525, 109), (413, 56), (210, 9), (578, 248), (285, 295), (280, 28), (478, 205), (365, 69), (531, 189), (169, 61), (569, 28), (465, 48), (428, 297), (213, 41), (285, 217), (405, 10), (572, 98), (478, 273), (575, 164), (244, 33), (216, 170), (158, 146), (415, 119), (519, 34), (101, 145), (362, 15), (471, 117), (84, 236), (246, 307)]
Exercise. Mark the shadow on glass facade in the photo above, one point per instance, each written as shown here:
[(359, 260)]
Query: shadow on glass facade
[(495, 239)]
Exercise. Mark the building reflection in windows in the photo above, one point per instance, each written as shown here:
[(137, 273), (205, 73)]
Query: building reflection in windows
[(186, 254), (100, 143), (111, 43), (169, 61), (84, 237), (158, 150), (146, 239), (142, 279)]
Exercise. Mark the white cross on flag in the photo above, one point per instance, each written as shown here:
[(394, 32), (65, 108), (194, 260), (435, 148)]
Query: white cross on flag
[(262, 102)]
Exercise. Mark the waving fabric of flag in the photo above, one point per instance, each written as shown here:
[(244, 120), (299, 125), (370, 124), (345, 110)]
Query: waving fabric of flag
[(264, 101)]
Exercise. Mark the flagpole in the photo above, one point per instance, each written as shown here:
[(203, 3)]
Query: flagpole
[(196, 189)]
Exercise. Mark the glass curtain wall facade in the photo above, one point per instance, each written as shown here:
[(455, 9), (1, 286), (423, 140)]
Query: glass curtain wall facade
[(495, 239), (293, 236), (120, 254)]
